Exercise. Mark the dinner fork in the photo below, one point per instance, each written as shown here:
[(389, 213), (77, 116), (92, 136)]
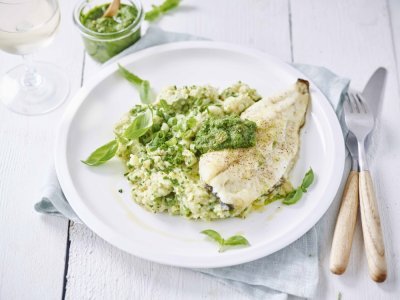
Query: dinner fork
[(360, 122)]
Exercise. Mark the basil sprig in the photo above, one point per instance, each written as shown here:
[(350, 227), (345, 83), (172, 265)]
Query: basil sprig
[(158, 10), (143, 86), (140, 125), (295, 195), (102, 154), (235, 240)]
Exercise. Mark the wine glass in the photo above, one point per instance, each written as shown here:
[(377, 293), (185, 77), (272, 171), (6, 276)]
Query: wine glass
[(34, 87)]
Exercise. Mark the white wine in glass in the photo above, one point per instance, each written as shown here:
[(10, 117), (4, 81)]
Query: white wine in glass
[(34, 87)]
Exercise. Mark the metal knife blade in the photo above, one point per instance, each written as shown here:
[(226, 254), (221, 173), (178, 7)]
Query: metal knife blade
[(373, 91)]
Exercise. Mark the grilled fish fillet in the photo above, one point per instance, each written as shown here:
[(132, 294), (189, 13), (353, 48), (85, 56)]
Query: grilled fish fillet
[(240, 176)]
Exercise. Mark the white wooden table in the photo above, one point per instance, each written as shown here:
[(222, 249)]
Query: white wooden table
[(50, 258)]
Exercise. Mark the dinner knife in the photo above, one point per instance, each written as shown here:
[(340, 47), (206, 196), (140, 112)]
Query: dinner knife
[(373, 91), (347, 217)]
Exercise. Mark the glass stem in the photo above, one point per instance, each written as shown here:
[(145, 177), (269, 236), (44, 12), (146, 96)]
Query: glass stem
[(31, 78)]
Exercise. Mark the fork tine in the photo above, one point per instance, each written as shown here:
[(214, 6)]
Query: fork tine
[(362, 104), (354, 103), (347, 107)]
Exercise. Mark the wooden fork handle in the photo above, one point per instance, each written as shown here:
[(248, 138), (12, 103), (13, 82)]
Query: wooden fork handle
[(371, 226), (345, 225)]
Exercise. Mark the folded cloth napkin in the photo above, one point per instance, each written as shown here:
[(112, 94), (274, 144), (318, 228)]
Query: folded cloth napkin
[(290, 271)]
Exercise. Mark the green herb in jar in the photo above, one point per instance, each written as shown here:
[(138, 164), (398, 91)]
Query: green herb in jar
[(108, 36), (95, 21)]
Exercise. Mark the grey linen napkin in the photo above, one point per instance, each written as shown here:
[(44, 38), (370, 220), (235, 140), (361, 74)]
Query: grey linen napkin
[(291, 271)]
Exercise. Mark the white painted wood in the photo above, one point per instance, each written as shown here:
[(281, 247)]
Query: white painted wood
[(394, 12), (97, 270), (350, 37), (353, 38), (32, 247)]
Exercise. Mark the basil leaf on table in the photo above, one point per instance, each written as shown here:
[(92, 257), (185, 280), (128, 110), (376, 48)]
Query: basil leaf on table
[(140, 125), (102, 154), (158, 10), (143, 86)]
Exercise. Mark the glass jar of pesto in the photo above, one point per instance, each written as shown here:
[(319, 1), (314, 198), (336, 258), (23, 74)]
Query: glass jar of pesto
[(105, 37)]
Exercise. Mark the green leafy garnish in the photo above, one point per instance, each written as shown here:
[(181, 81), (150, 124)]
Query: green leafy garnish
[(158, 10), (307, 180), (235, 240), (140, 125), (143, 86), (102, 154), (295, 195)]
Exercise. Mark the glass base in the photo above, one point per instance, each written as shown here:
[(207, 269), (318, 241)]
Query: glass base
[(34, 93)]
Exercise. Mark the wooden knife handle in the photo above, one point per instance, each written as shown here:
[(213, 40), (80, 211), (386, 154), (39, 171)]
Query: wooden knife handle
[(371, 226), (345, 225)]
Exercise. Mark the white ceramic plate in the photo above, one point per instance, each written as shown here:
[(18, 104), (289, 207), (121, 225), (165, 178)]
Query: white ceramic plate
[(93, 191)]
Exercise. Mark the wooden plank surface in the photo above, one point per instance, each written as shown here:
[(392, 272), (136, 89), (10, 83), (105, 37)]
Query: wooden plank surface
[(97, 270), (32, 247), (394, 13), (353, 38), (350, 37)]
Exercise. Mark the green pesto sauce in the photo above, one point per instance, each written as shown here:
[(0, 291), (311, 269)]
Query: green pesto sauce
[(229, 132), (95, 21)]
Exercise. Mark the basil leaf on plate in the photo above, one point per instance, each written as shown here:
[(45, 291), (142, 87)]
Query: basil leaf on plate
[(132, 78), (307, 180), (236, 240), (295, 195), (158, 10), (292, 198), (102, 154), (145, 92), (140, 125), (143, 86), (214, 235)]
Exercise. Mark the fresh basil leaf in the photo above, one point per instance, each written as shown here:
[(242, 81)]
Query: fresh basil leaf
[(214, 235), (145, 92), (102, 154), (236, 240), (307, 180), (140, 125), (158, 10), (143, 86), (164, 104), (293, 197), (132, 78)]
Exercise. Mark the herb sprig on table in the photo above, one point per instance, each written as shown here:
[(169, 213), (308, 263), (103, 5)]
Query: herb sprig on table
[(235, 240), (158, 10)]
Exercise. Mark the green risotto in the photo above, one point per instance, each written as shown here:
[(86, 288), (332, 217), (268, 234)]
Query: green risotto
[(162, 164)]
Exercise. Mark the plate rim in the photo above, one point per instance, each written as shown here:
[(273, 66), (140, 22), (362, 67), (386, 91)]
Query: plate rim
[(114, 238)]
